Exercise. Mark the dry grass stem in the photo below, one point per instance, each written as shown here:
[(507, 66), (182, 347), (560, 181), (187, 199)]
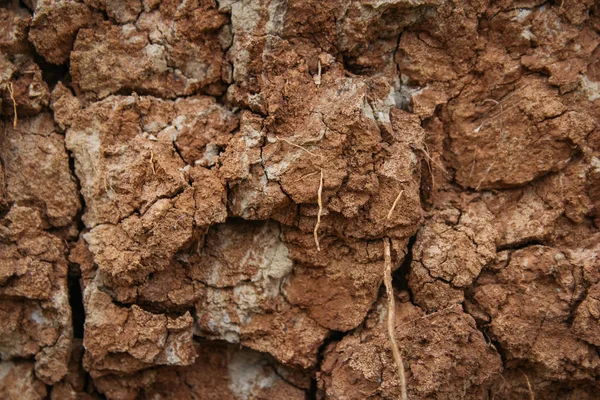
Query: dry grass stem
[(391, 315), (389, 214), (320, 203)]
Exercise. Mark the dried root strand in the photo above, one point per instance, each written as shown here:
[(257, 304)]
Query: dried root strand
[(296, 145), (473, 164), (487, 173), (531, 396), (391, 315), (489, 168), (317, 78), (11, 91), (306, 176), (152, 162), (389, 214), (319, 192), (430, 161), (320, 203), (502, 387)]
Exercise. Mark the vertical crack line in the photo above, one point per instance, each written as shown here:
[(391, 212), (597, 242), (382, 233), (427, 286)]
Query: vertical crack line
[(334, 336), (76, 301)]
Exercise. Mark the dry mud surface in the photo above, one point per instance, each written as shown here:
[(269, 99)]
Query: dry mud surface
[(164, 164)]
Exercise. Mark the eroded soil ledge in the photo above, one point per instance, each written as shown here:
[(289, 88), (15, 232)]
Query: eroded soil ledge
[(160, 170)]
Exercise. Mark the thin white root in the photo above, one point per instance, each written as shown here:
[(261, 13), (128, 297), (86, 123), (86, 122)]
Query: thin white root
[(391, 315), (320, 203), (389, 215), (12, 97)]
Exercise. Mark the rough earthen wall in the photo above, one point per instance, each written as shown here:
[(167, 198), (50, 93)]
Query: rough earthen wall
[(166, 165)]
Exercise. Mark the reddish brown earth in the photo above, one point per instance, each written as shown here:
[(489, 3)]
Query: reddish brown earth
[(159, 189)]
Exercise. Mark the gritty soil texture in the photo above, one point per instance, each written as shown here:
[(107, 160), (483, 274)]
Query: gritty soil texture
[(195, 197)]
